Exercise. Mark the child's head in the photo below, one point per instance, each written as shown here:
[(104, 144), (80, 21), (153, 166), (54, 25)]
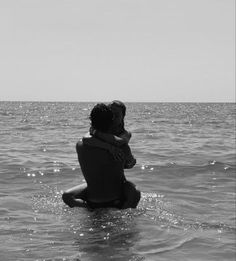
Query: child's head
[(119, 105), (119, 110)]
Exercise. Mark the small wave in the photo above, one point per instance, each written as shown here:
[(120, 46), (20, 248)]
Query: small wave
[(186, 170), (160, 211), (173, 246), (217, 164), (25, 128), (6, 113), (219, 227)]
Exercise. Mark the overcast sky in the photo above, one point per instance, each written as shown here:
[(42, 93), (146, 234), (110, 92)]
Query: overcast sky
[(132, 50)]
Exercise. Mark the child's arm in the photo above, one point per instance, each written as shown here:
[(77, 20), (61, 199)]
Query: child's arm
[(126, 136), (113, 139), (93, 141), (110, 138)]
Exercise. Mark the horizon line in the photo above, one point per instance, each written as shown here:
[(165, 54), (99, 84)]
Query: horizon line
[(61, 101)]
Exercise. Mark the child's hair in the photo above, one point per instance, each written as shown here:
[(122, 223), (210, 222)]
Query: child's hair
[(120, 105), (101, 117)]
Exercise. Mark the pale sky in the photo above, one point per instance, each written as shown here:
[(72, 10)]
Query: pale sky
[(132, 50)]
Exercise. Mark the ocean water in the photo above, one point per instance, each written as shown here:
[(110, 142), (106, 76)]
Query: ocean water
[(185, 169)]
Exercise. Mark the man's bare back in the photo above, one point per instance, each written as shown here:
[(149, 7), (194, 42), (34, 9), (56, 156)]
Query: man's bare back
[(104, 176)]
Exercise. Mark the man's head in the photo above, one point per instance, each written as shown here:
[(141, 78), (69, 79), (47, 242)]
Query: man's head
[(101, 117)]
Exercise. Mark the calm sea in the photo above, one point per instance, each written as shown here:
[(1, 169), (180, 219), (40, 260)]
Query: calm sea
[(185, 169)]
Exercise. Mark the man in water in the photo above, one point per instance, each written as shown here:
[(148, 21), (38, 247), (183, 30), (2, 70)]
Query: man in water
[(106, 183)]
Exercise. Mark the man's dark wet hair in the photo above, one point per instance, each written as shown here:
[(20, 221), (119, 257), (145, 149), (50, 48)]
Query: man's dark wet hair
[(101, 117)]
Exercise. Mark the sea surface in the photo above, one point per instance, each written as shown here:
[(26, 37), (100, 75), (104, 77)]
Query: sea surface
[(185, 169)]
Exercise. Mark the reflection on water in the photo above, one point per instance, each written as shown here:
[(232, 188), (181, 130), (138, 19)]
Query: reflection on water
[(154, 228), (107, 233), (102, 234)]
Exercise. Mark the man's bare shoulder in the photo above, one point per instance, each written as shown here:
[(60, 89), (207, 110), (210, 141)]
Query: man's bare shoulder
[(83, 147), (79, 144), (93, 155)]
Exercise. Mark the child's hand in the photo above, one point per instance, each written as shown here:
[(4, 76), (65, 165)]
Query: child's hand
[(130, 164)]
